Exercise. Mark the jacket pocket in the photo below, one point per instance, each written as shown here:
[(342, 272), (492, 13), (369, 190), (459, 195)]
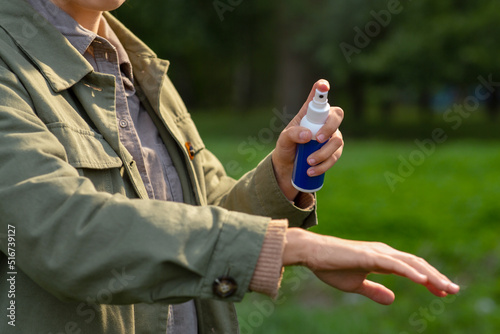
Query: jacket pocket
[(84, 148), (92, 156)]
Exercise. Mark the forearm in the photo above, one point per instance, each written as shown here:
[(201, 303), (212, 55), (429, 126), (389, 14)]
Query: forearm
[(71, 247), (258, 192), (71, 238)]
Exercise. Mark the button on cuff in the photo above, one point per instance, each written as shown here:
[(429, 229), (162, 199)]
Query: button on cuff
[(225, 287)]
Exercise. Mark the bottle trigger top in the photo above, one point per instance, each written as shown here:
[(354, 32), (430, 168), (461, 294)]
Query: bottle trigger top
[(320, 97), (318, 109)]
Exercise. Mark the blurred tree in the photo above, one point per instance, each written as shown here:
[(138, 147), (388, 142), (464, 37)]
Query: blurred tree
[(333, 36), (246, 54), (436, 44), (218, 49)]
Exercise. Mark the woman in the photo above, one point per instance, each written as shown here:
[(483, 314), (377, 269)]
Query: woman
[(121, 220)]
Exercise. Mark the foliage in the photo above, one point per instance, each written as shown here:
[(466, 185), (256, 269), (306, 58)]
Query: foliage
[(234, 57)]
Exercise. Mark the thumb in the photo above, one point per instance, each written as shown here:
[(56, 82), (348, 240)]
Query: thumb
[(290, 137), (376, 292)]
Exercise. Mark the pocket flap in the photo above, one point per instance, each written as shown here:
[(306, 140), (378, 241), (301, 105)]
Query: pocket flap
[(84, 148)]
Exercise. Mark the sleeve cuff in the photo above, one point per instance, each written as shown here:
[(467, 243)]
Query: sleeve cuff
[(268, 272), (300, 213), (305, 201)]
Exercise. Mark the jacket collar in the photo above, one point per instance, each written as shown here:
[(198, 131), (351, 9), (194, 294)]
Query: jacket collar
[(39, 40), (78, 36)]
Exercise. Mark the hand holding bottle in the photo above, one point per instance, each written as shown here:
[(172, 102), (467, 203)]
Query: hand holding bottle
[(320, 161)]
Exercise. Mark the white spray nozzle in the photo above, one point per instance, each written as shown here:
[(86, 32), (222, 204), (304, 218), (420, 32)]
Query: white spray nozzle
[(318, 109), (320, 97)]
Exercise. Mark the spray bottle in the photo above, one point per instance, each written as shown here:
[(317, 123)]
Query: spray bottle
[(317, 113)]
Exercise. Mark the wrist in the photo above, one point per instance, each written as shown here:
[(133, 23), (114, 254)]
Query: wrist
[(283, 175), (298, 242)]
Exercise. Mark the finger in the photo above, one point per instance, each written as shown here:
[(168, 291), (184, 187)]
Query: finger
[(420, 264), (376, 292), (295, 135), (434, 282), (442, 287), (332, 124), (437, 282), (323, 85), (435, 291), (286, 145), (327, 151), (395, 266), (320, 167), (324, 166)]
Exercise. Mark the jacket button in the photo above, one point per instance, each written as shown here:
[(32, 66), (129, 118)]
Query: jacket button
[(123, 123), (225, 287)]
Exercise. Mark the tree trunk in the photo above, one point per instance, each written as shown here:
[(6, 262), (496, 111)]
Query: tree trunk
[(356, 91), (424, 105), (293, 81), (493, 106)]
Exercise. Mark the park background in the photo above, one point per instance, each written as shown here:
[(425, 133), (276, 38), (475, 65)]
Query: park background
[(420, 85)]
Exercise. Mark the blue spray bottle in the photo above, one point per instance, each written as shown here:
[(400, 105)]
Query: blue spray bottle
[(317, 113)]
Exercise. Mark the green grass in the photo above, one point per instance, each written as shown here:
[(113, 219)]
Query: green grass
[(446, 210)]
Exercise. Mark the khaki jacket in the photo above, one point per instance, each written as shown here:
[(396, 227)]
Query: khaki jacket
[(82, 248)]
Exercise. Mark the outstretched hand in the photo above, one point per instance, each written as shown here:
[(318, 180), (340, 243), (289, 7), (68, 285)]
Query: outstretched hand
[(345, 265), (284, 154)]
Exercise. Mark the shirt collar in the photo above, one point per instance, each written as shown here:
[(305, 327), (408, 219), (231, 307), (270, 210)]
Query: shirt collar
[(108, 34), (79, 37)]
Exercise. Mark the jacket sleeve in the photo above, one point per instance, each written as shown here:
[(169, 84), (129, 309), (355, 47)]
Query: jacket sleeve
[(73, 240), (257, 192)]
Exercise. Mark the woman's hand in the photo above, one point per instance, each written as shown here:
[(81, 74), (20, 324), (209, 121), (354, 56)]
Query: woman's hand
[(345, 264), (284, 154)]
